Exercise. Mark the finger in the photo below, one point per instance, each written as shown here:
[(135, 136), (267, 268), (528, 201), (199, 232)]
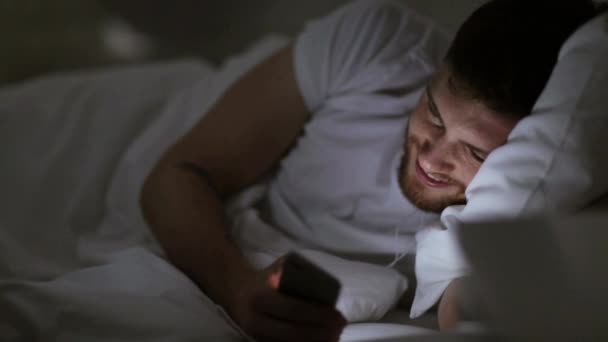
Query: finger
[(274, 272), (268, 328), (296, 310)]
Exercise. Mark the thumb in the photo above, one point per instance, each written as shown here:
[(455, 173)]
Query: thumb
[(273, 273)]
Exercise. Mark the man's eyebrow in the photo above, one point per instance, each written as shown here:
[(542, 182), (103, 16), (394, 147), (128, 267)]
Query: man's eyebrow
[(436, 113), (432, 104), (476, 149)]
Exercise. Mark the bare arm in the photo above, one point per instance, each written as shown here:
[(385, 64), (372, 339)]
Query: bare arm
[(244, 136)]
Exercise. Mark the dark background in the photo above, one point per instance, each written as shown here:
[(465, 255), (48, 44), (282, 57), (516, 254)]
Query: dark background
[(40, 36)]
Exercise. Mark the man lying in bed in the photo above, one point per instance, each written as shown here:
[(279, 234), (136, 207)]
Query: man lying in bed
[(367, 131)]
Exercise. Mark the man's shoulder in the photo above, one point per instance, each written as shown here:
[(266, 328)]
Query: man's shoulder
[(388, 12), (393, 26)]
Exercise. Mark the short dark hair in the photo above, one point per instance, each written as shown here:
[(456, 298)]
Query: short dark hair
[(505, 52)]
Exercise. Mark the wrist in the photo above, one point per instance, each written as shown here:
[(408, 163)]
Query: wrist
[(223, 280)]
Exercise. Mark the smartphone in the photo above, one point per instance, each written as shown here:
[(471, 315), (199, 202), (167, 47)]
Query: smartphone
[(303, 279)]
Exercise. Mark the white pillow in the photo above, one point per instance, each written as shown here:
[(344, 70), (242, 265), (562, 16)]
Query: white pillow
[(368, 291), (554, 160)]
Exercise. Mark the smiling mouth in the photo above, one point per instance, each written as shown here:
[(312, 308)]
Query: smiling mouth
[(428, 179)]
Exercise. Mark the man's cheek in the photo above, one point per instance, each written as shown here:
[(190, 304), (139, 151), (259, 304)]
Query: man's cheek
[(468, 175)]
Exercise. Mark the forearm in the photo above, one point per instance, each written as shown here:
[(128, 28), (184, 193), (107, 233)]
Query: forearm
[(187, 217)]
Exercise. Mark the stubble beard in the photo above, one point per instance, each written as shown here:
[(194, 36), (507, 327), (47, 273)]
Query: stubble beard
[(416, 192)]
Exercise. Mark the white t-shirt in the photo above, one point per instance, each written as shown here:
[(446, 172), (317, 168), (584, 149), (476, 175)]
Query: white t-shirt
[(361, 71)]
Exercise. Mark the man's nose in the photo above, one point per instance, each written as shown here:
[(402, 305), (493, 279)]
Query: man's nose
[(436, 156)]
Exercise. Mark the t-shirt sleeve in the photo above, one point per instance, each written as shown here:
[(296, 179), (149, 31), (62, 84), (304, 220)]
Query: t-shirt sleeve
[(333, 50)]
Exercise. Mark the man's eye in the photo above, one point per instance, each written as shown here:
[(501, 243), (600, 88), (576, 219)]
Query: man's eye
[(478, 156), (435, 120)]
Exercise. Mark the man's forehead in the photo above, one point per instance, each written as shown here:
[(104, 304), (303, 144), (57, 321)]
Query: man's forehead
[(469, 116)]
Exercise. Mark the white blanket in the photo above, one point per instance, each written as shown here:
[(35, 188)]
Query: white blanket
[(134, 296), (71, 267)]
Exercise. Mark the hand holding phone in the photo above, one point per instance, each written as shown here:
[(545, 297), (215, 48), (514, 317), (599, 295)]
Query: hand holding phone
[(303, 279), (290, 300)]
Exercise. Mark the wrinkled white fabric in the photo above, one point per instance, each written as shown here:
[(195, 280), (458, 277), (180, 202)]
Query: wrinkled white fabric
[(361, 71), (133, 296)]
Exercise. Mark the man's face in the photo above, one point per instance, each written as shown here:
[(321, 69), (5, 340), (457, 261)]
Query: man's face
[(448, 139)]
